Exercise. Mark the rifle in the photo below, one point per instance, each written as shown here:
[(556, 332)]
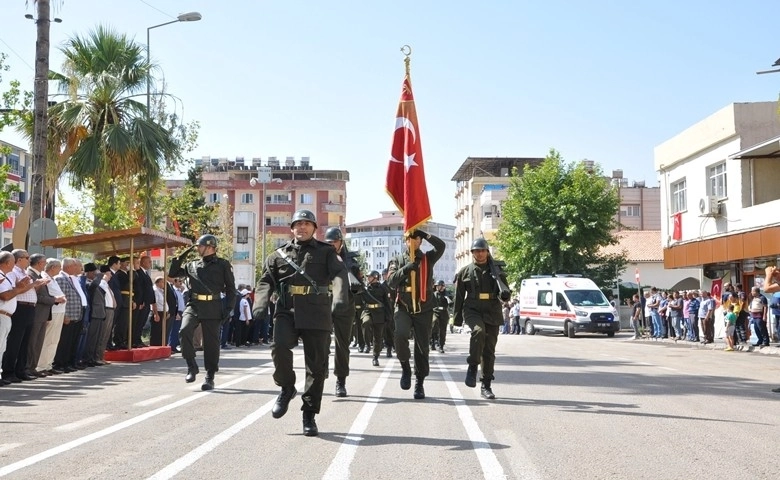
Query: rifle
[(495, 272), (355, 285)]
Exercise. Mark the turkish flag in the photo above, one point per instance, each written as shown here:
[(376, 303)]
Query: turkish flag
[(677, 232), (9, 223), (405, 172), (715, 290)]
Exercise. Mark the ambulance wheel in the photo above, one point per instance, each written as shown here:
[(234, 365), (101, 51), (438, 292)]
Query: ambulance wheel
[(610, 334), (529, 328), (570, 329)]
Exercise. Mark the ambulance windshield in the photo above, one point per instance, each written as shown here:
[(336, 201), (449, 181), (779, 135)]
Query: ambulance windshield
[(587, 298)]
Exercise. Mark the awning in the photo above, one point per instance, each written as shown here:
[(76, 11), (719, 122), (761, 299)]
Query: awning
[(767, 149), (105, 244)]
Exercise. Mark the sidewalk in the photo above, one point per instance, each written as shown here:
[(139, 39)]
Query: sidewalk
[(719, 344)]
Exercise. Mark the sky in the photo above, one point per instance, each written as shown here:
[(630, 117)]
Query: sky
[(599, 80)]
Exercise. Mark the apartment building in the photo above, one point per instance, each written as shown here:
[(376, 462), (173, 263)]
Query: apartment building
[(382, 238), (261, 196), (18, 159), (720, 198)]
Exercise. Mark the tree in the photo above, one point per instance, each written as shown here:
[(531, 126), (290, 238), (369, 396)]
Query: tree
[(188, 213), (38, 191), (104, 133), (556, 219)]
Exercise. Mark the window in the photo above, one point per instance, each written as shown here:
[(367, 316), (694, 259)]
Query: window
[(679, 202), (717, 183), (306, 199), (247, 198), (277, 198), (212, 198), (544, 298), (242, 235), (630, 211), (13, 162)]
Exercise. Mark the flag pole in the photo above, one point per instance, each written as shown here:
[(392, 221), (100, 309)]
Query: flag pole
[(406, 50)]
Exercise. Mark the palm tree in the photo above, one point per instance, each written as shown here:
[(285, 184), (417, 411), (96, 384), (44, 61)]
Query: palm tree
[(104, 135), (40, 99)]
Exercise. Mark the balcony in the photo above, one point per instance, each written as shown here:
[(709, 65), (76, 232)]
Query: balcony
[(489, 224), (331, 207), (493, 197)]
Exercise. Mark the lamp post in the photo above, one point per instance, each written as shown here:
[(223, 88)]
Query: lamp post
[(184, 17), (264, 176)]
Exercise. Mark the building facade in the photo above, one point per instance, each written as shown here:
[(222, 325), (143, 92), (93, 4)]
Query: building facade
[(264, 208), (17, 158), (382, 238), (720, 181), (481, 185)]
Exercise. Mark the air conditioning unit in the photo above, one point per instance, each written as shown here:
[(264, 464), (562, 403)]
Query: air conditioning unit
[(709, 206)]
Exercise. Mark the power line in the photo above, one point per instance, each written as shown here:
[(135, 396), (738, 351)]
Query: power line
[(152, 6), (20, 57)]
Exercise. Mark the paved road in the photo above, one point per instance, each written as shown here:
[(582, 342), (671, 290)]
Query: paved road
[(588, 407)]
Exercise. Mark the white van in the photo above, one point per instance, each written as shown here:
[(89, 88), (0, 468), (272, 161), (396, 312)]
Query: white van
[(565, 303)]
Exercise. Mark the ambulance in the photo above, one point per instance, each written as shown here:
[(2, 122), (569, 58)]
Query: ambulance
[(568, 304)]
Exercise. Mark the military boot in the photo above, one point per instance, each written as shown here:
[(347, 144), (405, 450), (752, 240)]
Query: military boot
[(471, 376), (406, 376), (419, 390), (208, 384), (375, 362), (341, 387), (282, 401), (192, 370), (486, 391), (389, 352), (309, 425)]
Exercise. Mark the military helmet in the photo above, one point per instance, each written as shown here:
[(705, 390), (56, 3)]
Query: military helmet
[(440, 282), (480, 244), (374, 273), (303, 215), (333, 234), (207, 240)]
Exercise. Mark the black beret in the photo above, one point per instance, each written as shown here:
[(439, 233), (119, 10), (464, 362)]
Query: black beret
[(90, 267)]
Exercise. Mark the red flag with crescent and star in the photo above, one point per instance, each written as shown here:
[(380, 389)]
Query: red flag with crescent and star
[(405, 172), (677, 230)]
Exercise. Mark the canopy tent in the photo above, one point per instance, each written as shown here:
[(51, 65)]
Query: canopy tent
[(118, 242)]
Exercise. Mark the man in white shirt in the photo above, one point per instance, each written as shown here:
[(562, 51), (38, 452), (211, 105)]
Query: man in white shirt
[(15, 356), (54, 326), (9, 289)]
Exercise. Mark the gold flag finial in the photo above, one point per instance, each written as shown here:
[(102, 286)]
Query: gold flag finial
[(407, 51)]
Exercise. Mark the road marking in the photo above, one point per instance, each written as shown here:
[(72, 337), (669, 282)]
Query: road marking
[(86, 421), (491, 468), (29, 461), (4, 447), (339, 467), (146, 403), (185, 461)]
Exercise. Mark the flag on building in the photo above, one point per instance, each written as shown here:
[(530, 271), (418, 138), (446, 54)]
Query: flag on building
[(677, 231), (405, 171)]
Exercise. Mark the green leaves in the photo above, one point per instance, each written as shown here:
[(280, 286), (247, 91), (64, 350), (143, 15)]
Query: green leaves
[(556, 218)]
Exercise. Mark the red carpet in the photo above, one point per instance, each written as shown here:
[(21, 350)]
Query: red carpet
[(138, 354)]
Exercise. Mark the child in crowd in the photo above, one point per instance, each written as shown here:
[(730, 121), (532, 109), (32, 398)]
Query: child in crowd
[(731, 325)]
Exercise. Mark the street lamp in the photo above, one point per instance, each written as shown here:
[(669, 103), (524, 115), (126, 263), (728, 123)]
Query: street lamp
[(184, 17), (264, 176)]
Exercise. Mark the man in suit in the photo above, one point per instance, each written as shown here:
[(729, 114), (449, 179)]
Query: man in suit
[(98, 317), (143, 296), (41, 316), (122, 317), (85, 280), (75, 307)]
